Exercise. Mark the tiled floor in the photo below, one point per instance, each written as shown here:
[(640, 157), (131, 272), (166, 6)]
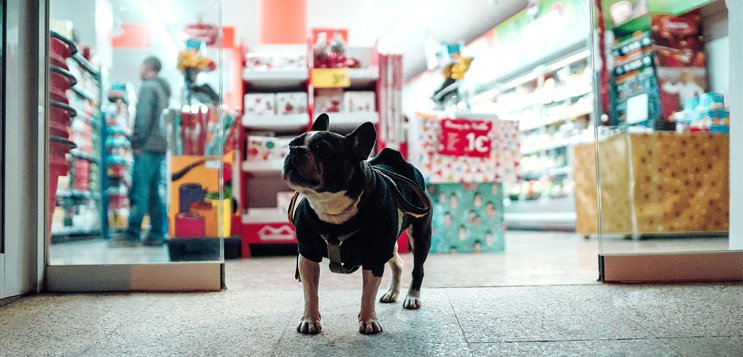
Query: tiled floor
[(538, 298)]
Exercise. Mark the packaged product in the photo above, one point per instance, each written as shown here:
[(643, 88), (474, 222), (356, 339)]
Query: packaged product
[(359, 101), (328, 100), (291, 103), (260, 103)]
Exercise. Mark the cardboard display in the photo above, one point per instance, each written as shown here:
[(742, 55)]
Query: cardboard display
[(669, 182)]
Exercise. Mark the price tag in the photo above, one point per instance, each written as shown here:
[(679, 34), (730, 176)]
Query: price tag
[(463, 137), (330, 78)]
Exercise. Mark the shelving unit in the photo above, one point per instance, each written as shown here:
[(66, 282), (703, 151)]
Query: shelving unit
[(554, 107), (263, 221), (79, 198)]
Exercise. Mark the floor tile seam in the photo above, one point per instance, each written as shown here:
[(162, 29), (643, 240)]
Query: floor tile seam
[(637, 322), (459, 323), (283, 332), (511, 286), (567, 340)]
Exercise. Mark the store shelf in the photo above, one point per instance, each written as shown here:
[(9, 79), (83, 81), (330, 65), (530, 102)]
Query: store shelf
[(526, 125), (82, 93), (275, 122), (81, 155), (264, 215), (346, 121), (117, 129), (75, 231), (363, 77), (85, 64), (78, 195), (557, 143), (263, 167), (557, 171), (276, 80), (81, 115)]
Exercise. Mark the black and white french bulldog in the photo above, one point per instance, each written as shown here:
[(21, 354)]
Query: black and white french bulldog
[(350, 202)]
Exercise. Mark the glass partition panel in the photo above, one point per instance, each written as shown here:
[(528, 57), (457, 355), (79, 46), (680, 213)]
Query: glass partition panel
[(137, 132), (662, 145)]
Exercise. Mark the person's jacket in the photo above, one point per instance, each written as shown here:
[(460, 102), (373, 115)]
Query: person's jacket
[(149, 132)]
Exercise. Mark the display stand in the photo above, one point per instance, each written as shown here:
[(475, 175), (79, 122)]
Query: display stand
[(80, 211), (465, 159), (265, 133), (662, 183)]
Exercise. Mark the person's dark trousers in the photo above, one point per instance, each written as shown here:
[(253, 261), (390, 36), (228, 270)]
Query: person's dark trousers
[(144, 197)]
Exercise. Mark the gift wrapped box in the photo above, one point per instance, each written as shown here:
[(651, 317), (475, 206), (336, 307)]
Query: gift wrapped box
[(467, 218), (291, 103), (500, 165), (265, 148), (260, 103), (328, 100), (359, 102)]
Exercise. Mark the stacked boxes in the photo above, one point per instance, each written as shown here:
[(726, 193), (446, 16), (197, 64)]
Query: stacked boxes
[(276, 103), (706, 113), (467, 218)]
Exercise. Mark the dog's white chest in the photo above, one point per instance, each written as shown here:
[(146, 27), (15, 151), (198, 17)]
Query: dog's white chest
[(332, 207)]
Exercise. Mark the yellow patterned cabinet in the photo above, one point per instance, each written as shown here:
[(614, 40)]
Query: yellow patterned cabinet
[(654, 183)]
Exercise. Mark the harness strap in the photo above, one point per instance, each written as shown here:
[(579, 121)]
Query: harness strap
[(402, 203), (334, 253)]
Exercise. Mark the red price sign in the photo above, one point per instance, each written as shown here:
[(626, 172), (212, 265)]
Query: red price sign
[(463, 137)]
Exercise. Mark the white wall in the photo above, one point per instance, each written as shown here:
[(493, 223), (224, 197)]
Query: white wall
[(717, 46), (735, 100)]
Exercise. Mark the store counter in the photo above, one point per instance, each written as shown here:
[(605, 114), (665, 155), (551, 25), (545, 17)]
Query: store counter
[(656, 183)]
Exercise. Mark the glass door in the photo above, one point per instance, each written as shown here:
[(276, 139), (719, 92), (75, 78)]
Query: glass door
[(662, 165), (136, 135)]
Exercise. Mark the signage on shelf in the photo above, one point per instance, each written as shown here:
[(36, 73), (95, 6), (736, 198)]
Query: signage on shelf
[(204, 32), (330, 78), (464, 137)]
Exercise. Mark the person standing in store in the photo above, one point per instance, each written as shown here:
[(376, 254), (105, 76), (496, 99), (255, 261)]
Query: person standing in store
[(149, 146)]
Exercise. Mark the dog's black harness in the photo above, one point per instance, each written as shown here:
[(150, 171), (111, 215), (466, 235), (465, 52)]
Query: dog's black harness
[(404, 207)]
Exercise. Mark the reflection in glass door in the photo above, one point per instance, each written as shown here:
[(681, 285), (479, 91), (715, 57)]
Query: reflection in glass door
[(137, 145), (663, 144)]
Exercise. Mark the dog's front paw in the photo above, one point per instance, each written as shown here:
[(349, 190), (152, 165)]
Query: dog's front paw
[(309, 326), (412, 301), (389, 296), (369, 326)]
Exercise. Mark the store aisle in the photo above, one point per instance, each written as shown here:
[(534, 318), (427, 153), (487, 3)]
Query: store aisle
[(657, 320)]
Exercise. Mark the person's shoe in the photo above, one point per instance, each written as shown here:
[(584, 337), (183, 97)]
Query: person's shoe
[(153, 242), (122, 241)]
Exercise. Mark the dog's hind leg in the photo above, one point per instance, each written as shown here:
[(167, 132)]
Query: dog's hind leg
[(396, 266), (420, 240)]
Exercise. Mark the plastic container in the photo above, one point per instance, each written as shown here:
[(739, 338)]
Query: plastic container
[(58, 166), (187, 193), (209, 213), (60, 78), (189, 225), (60, 45), (213, 198)]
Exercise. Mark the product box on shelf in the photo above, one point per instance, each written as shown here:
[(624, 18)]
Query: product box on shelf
[(359, 101), (291, 103), (468, 218), (329, 100), (454, 150), (267, 148), (283, 199), (260, 103), (193, 209), (276, 62)]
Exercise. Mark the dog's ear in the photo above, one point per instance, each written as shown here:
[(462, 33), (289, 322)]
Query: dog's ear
[(322, 123), (363, 139)]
